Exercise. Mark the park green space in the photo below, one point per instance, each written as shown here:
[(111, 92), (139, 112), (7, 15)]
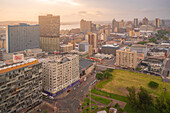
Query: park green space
[(122, 79)]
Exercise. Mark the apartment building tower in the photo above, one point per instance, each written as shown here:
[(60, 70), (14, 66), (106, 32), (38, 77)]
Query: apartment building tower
[(49, 33), (20, 86), (157, 22), (21, 37), (85, 26), (135, 22), (145, 21), (126, 58), (93, 40), (115, 26), (60, 72)]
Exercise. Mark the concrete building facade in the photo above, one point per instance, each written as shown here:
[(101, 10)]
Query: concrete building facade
[(83, 46), (85, 26), (109, 49), (60, 72), (93, 40), (20, 86), (145, 21), (135, 22), (65, 48), (49, 33), (115, 26), (157, 22), (21, 37), (126, 58)]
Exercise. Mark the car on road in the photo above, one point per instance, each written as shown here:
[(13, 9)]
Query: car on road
[(39, 110), (68, 91)]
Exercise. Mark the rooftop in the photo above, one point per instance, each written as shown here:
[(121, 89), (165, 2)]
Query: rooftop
[(10, 66), (84, 63)]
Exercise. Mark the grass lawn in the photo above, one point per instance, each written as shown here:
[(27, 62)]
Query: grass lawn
[(122, 79), (101, 100), (111, 95), (87, 100), (93, 109)]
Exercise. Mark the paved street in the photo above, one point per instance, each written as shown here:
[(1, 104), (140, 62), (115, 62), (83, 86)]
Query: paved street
[(71, 102)]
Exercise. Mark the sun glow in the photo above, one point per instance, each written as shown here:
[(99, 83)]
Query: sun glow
[(61, 1)]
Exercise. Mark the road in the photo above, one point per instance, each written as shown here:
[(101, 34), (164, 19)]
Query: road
[(71, 102)]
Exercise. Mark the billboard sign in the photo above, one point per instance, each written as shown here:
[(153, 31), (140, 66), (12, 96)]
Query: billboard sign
[(18, 58)]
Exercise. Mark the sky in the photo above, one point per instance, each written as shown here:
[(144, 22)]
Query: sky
[(75, 10)]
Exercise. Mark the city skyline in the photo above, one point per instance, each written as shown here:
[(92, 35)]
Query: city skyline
[(75, 10)]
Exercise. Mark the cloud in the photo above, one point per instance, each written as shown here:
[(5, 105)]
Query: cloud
[(82, 13), (146, 10), (99, 13), (92, 13), (60, 1)]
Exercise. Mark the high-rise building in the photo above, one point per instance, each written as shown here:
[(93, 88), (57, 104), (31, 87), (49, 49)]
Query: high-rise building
[(49, 33), (121, 24), (129, 23), (115, 26), (135, 22), (49, 25), (1, 55), (157, 22), (93, 27), (93, 39), (162, 23), (145, 21), (21, 37), (86, 26), (60, 72), (126, 58), (20, 86)]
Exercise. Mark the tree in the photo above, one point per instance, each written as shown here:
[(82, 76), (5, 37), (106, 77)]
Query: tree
[(145, 100), (143, 42), (165, 38), (153, 84), (132, 97), (138, 68), (99, 76), (152, 40), (162, 104), (106, 74), (140, 102), (109, 69), (45, 111)]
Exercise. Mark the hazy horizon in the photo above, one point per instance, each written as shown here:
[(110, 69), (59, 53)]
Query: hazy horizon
[(75, 10)]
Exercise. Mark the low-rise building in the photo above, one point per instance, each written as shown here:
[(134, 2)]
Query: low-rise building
[(65, 48), (83, 46), (141, 51), (166, 70), (152, 65), (30, 53), (158, 52), (110, 49), (86, 66)]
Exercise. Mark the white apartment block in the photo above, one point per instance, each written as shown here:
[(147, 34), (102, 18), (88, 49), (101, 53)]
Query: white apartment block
[(126, 58), (60, 72)]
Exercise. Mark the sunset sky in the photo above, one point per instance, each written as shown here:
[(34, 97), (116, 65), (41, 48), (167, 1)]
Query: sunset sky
[(74, 10)]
